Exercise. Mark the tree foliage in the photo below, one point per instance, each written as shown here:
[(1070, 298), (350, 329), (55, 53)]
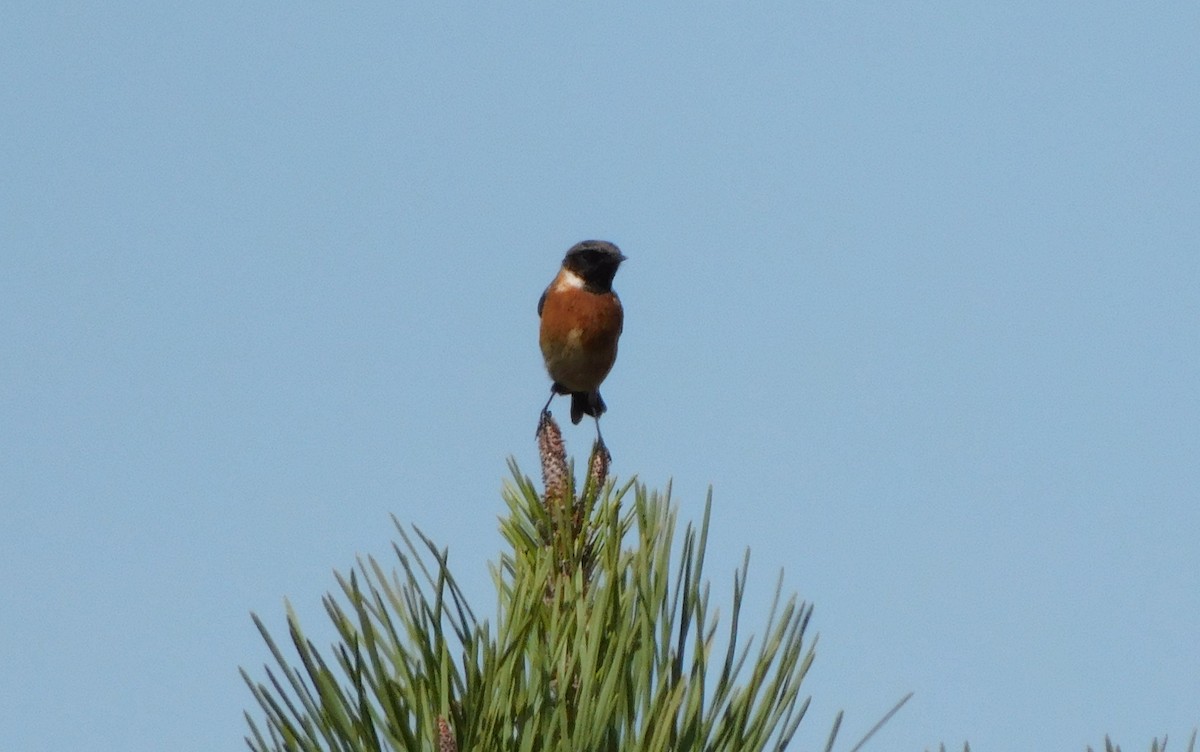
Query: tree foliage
[(605, 639)]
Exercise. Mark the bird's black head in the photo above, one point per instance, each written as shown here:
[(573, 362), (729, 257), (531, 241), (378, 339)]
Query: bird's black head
[(596, 262)]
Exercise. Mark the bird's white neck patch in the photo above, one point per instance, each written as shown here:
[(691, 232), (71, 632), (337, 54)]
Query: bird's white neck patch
[(569, 279)]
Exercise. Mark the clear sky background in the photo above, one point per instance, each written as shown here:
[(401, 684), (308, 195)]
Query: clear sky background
[(914, 286)]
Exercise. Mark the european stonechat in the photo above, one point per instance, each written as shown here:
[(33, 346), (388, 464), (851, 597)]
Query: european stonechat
[(581, 322)]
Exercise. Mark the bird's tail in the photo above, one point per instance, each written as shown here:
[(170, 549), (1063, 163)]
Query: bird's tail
[(586, 403)]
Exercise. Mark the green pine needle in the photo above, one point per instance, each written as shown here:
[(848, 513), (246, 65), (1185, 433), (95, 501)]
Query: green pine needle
[(604, 640)]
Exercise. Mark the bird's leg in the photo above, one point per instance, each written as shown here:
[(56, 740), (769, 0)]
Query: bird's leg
[(555, 390), (544, 417)]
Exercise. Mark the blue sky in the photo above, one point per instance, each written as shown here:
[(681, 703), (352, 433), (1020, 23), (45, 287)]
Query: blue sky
[(913, 287)]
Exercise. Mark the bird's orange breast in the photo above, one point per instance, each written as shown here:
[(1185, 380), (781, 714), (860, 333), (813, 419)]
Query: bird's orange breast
[(579, 335)]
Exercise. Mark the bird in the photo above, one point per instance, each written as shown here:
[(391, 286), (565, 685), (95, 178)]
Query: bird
[(581, 321)]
